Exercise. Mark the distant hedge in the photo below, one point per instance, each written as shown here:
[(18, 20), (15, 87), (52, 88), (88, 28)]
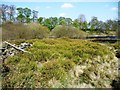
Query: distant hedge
[(38, 31), (67, 31), (12, 31)]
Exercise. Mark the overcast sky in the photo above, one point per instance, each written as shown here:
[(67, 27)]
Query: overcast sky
[(103, 9)]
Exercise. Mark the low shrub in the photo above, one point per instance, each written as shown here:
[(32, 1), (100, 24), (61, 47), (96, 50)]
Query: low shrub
[(67, 64), (38, 31), (116, 45), (67, 31), (19, 80), (52, 69), (54, 59), (56, 69), (12, 31)]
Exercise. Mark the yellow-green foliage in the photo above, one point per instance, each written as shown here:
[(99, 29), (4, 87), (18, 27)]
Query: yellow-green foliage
[(17, 42), (116, 45), (38, 31), (67, 31), (48, 59), (52, 69), (57, 69), (12, 31)]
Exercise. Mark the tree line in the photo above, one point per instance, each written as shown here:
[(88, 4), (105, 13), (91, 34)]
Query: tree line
[(26, 15), (81, 23), (23, 15)]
